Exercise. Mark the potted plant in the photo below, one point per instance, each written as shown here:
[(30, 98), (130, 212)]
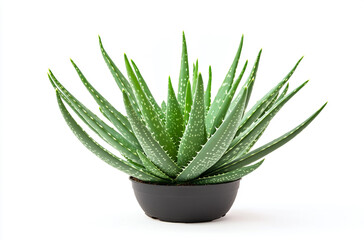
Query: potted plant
[(186, 156)]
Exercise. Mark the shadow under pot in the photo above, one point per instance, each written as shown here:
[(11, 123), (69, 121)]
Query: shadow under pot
[(185, 203)]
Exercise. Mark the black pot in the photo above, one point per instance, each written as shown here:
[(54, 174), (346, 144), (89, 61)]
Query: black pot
[(185, 203)]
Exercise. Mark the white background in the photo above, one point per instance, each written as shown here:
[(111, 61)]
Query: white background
[(53, 188)]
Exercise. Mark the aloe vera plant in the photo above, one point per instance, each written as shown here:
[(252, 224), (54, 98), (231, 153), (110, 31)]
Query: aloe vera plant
[(189, 138)]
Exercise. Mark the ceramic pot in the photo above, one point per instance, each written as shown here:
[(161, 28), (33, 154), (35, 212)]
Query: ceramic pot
[(185, 203)]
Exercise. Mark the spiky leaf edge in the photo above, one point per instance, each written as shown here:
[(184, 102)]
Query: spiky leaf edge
[(267, 148), (100, 151)]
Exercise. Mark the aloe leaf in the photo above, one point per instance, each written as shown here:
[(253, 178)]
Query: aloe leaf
[(147, 92), (270, 105), (188, 103), (255, 129), (213, 120), (208, 92), (267, 109), (226, 84), (257, 138), (276, 99), (101, 152), (240, 134), (253, 75), (153, 122), (174, 120), (242, 153), (151, 167), (104, 114), (228, 176), (267, 148), (215, 146), (107, 133), (249, 83), (120, 80), (151, 147), (285, 90), (238, 138), (183, 74), (195, 135), (164, 107), (116, 118), (255, 112), (253, 116), (195, 77)]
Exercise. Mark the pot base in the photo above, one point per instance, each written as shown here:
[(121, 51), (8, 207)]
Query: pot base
[(187, 204), (172, 220)]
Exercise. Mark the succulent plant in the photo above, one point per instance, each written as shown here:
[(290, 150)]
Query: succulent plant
[(188, 139)]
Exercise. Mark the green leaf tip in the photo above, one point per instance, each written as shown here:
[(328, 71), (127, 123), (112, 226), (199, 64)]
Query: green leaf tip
[(101, 152), (323, 106), (262, 151), (184, 75)]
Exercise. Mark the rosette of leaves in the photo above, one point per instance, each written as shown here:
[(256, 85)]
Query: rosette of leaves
[(189, 138)]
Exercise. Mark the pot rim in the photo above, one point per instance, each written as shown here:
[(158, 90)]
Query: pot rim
[(136, 180)]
